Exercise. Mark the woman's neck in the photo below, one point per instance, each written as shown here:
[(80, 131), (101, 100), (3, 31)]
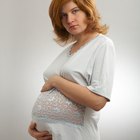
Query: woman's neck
[(81, 41), (84, 38)]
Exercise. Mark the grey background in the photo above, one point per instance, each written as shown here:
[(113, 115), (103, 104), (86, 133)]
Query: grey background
[(27, 48)]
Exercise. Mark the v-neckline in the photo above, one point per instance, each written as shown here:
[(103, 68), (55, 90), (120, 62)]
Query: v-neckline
[(86, 44)]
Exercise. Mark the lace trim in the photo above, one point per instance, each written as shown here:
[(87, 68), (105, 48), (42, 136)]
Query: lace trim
[(53, 106)]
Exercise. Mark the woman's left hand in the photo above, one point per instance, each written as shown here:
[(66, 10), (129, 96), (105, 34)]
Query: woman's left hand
[(44, 135), (49, 84)]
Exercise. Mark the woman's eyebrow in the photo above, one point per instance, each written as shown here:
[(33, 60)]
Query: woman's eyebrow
[(70, 10)]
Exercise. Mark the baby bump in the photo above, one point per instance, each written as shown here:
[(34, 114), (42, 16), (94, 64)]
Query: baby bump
[(52, 106)]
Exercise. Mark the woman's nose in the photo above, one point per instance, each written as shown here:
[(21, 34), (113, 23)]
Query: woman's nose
[(70, 19)]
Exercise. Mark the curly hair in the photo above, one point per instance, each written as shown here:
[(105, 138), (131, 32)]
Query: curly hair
[(87, 6)]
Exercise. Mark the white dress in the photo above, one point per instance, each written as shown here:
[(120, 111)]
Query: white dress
[(93, 67)]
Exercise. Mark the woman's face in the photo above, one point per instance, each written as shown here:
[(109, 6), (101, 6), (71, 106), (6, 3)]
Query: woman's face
[(73, 18)]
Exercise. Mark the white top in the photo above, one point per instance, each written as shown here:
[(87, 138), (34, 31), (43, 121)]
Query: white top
[(91, 66)]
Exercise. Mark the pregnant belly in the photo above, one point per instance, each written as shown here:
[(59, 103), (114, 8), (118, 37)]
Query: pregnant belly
[(52, 106)]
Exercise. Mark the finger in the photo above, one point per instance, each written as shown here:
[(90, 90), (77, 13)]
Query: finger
[(32, 125), (38, 134), (44, 88), (35, 133), (45, 138)]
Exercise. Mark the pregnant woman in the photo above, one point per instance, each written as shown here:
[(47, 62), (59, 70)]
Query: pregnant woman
[(78, 83)]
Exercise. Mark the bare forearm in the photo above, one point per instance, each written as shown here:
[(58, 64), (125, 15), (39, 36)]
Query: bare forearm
[(79, 94)]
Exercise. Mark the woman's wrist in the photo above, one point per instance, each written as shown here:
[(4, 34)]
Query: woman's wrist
[(56, 80)]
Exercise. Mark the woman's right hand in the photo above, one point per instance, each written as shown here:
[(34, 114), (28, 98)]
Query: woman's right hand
[(45, 135)]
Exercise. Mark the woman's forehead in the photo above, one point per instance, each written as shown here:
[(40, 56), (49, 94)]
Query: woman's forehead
[(68, 6)]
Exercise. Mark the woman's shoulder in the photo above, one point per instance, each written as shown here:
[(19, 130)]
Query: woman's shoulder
[(103, 43), (105, 39), (106, 45)]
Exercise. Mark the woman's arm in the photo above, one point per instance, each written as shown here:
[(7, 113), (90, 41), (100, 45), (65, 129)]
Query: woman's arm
[(75, 92)]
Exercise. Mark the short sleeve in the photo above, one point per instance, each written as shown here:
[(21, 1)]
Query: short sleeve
[(101, 77)]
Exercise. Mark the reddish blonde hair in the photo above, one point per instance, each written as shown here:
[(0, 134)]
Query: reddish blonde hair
[(87, 6)]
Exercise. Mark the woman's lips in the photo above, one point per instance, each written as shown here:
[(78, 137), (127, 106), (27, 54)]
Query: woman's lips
[(73, 27)]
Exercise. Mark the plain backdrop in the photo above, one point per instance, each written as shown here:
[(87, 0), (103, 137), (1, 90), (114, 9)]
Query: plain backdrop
[(27, 48)]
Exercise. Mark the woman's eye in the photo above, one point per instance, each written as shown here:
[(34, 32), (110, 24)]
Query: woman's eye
[(75, 11), (63, 15)]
